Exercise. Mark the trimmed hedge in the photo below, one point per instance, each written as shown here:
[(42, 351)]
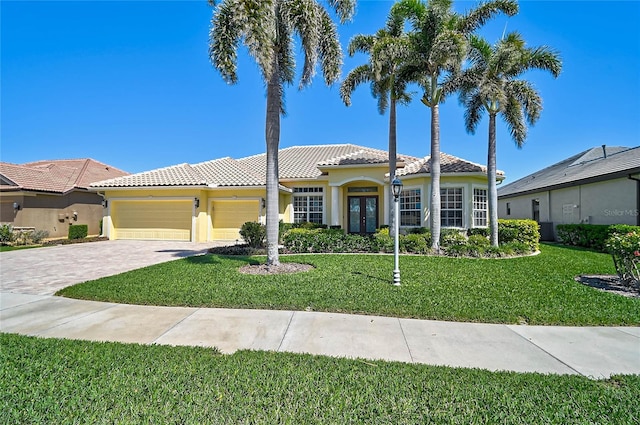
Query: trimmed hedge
[(525, 232), (254, 234), (591, 236), (518, 237), (78, 231)]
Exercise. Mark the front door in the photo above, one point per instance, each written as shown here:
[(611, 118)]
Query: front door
[(363, 214)]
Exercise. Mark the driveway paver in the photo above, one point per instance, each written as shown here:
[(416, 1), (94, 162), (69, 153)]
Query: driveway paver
[(43, 271)]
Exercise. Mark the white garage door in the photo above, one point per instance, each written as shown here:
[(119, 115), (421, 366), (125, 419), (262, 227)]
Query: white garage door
[(227, 217), (153, 220)]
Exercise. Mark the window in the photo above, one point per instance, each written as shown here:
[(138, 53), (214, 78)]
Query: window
[(451, 207), (410, 206), (508, 208), (479, 207), (308, 203)]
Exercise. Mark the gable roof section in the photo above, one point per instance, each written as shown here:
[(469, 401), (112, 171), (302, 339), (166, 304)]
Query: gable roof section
[(589, 165), (301, 162), (448, 164), (55, 176), (297, 162)]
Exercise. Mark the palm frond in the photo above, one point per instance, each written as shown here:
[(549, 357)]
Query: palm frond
[(479, 16), (473, 112), (330, 49), (357, 76), (345, 9), (224, 37), (514, 119), (360, 43), (527, 97)]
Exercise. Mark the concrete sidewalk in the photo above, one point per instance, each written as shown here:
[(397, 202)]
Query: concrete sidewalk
[(596, 352)]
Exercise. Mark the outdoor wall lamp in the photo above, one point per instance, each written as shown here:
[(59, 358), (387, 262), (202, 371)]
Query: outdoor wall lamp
[(396, 189), (105, 203), (264, 203), (196, 202), (16, 206), (75, 216)]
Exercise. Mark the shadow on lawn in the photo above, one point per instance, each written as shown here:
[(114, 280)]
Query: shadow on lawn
[(215, 259)]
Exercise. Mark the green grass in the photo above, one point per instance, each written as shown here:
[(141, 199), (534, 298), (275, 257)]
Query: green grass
[(5, 248), (46, 381), (538, 290)]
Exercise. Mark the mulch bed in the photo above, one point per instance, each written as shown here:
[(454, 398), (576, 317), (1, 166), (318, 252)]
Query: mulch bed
[(609, 283)]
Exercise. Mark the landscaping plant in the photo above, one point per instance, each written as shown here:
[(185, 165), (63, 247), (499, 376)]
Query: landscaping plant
[(625, 250)]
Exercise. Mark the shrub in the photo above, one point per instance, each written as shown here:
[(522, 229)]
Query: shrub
[(78, 231), (253, 234), (415, 243), (37, 236), (419, 230), (449, 237), (593, 236), (484, 231), (327, 240), (523, 231), (478, 240), (384, 242), (625, 250), (6, 234)]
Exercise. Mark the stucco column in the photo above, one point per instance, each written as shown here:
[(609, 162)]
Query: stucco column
[(335, 206), (385, 202)]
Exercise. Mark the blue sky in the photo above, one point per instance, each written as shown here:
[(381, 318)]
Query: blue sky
[(130, 84)]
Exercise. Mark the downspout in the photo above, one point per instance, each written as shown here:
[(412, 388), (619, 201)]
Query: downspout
[(637, 180)]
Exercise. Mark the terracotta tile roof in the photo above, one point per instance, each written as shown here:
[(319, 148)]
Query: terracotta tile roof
[(228, 172), (591, 164), (57, 176), (176, 175), (301, 162), (448, 164), (297, 162)]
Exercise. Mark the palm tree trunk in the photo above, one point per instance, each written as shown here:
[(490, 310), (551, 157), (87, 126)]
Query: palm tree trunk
[(491, 176), (392, 162), (435, 177), (274, 97)]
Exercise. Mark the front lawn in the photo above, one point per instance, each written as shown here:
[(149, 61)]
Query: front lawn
[(50, 381), (5, 248), (538, 290)]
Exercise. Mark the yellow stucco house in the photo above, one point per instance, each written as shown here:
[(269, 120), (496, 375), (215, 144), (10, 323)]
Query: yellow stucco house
[(338, 185)]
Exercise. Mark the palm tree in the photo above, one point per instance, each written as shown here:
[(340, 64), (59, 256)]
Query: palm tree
[(267, 28), (440, 43), (491, 84), (388, 51)]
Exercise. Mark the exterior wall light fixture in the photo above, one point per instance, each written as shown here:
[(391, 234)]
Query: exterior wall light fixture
[(16, 206)]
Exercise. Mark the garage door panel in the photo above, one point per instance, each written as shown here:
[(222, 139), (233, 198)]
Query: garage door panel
[(227, 217), (154, 220)]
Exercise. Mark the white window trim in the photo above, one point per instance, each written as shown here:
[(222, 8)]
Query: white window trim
[(473, 188), (421, 189), (464, 204), (323, 194)]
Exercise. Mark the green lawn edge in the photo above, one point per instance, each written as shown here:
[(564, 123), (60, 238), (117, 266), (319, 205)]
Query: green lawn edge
[(48, 381), (535, 290)]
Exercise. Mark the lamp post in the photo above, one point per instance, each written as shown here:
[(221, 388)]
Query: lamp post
[(396, 188)]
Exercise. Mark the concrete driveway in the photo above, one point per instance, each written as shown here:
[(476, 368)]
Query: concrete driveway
[(43, 271)]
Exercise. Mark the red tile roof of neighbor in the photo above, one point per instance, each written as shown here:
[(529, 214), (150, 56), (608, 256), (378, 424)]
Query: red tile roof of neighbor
[(56, 176)]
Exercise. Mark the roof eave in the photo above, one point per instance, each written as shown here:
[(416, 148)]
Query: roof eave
[(595, 179)]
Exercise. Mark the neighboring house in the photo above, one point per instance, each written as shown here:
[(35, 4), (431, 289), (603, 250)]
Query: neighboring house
[(51, 195), (337, 185), (598, 186)]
